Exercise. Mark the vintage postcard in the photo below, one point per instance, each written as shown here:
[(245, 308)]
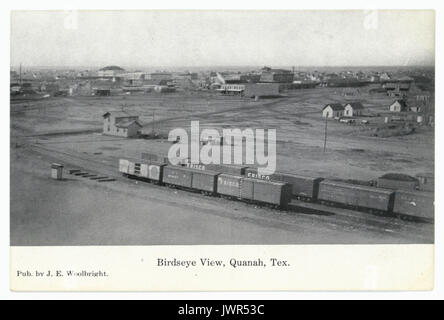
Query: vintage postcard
[(210, 150)]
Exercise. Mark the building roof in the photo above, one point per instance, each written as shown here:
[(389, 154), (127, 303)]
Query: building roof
[(335, 106), (401, 102), (159, 73), (280, 71), (127, 123), (275, 70), (356, 105), (398, 177), (389, 85), (416, 105), (119, 114), (117, 68)]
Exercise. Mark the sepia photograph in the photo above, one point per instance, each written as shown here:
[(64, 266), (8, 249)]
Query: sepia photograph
[(96, 96), (222, 127)]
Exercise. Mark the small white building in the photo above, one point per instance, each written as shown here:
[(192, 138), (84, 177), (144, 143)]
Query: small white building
[(120, 123), (333, 110), (353, 109), (398, 106)]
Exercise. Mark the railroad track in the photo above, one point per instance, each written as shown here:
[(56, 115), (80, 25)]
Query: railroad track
[(331, 217), (391, 224)]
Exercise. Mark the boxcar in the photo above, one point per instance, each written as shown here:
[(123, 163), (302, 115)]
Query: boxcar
[(356, 195), (143, 169), (196, 166), (204, 180), (254, 174), (414, 203), (153, 171), (247, 188), (178, 176), (302, 186), (272, 192), (229, 185), (407, 184)]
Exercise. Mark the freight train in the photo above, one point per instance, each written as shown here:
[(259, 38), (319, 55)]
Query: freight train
[(277, 190), (274, 194)]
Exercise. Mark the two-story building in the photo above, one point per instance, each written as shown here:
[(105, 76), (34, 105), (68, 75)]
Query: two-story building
[(276, 75), (121, 123)]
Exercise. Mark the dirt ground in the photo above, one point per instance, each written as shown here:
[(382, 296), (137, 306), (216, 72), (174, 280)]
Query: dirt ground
[(350, 154), (78, 211)]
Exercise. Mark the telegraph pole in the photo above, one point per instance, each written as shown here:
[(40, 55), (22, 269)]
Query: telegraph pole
[(325, 132)]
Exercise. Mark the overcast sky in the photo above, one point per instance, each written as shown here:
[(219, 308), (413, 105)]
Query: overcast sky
[(231, 38)]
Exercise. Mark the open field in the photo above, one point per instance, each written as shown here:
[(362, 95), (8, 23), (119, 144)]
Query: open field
[(78, 211), (351, 152)]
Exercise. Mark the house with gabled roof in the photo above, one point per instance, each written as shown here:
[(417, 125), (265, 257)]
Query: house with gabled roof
[(398, 106), (333, 110), (121, 123), (353, 109)]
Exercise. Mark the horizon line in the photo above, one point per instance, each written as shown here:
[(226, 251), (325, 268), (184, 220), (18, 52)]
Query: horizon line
[(220, 66)]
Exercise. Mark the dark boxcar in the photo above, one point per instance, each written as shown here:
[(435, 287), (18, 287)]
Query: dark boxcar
[(204, 180), (178, 176), (356, 195), (272, 192), (398, 184), (247, 188), (302, 186), (414, 203), (229, 185), (233, 169)]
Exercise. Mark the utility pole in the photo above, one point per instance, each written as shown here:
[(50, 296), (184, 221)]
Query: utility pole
[(325, 132), (20, 75), (153, 123), (123, 105)]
